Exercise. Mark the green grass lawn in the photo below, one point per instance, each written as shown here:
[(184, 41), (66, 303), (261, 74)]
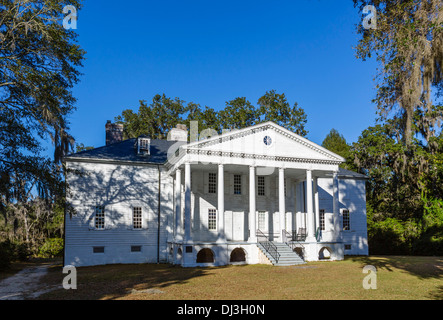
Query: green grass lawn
[(398, 277)]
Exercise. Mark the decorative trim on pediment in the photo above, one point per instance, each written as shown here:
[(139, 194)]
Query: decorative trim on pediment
[(242, 155), (250, 156), (243, 133), (195, 148)]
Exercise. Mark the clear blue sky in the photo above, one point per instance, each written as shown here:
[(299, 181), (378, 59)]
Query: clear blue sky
[(209, 52)]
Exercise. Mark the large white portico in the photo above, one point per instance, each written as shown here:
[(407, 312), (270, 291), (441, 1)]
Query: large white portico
[(248, 187)]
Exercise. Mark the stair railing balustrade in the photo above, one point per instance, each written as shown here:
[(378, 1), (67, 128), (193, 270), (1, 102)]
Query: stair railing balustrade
[(268, 245)]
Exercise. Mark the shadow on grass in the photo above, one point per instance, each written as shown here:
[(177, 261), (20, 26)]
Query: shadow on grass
[(118, 281), (437, 294), (421, 267)]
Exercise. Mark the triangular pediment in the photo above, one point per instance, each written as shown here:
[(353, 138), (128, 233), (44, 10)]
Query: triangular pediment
[(266, 139)]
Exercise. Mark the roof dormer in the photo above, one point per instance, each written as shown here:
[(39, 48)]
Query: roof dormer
[(143, 145)]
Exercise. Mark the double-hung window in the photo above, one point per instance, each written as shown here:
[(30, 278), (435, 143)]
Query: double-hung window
[(237, 184), (322, 220), (262, 220), (137, 217), (212, 219), (100, 217), (346, 220), (261, 185), (212, 186)]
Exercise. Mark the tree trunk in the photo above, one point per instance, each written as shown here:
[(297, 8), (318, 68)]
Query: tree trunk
[(409, 119)]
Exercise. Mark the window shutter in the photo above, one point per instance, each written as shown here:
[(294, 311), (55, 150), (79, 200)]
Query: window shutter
[(128, 216), (227, 183), (91, 211), (267, 186), (244, 184), (206, 182), (108, 215), (145, 218), (277, 184), (231, 183)]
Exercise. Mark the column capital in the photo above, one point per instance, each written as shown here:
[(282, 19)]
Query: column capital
[(308, 174)]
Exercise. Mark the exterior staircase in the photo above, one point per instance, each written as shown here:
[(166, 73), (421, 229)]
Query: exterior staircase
[(284, 257)]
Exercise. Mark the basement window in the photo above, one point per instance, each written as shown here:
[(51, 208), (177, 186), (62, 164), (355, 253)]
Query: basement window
[(98, 249)]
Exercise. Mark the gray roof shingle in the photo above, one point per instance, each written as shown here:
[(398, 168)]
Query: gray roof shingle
[(343, 173), (126, 151)]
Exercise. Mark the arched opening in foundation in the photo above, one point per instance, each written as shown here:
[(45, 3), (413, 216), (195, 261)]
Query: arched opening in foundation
[(238, 255), (205, 256), (324, 253)]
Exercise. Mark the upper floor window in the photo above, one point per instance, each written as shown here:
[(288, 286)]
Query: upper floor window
[(212, 186), (99, 217), (237, 184), (261, 185), (346, 220)]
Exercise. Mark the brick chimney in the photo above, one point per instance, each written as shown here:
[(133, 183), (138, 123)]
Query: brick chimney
[(180, 133), (114, 133)]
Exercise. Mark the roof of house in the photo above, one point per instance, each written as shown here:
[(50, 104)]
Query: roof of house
[(126, 151), (343, 173)]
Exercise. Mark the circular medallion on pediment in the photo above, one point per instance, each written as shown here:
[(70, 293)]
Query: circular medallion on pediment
[(268, 141)]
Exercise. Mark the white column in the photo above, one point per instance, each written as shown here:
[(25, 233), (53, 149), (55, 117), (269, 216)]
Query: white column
[(316, 204), (309, 207), (281, 200), (298, 206), (187, 202), (252, 210), (178, 205), (221, 203), (336, 206), (294, 206)]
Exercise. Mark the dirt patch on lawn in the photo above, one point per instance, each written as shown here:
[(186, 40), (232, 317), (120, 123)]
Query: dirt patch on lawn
[(26, 284)]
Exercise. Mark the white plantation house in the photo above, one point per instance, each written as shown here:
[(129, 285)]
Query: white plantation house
[(261, 194)]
